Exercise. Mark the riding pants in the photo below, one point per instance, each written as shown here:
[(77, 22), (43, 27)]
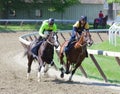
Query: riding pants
[(36, 47)]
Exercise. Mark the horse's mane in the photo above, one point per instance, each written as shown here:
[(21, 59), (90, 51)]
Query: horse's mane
[(80, 41)]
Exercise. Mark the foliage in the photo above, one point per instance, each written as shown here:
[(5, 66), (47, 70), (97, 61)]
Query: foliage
[(113, 1), (60, 5), (54, 5)]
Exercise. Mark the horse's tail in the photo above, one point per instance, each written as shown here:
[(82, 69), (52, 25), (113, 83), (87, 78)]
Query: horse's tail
[(25, 51)]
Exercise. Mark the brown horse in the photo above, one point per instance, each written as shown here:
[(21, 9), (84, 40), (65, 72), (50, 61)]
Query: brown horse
[(45, 54), (76, 54)]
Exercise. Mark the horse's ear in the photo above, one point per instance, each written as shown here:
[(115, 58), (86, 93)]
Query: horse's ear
[(55, 33)]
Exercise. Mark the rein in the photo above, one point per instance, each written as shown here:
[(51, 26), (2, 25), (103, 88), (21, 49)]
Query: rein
[(50, 42), (82, 45)]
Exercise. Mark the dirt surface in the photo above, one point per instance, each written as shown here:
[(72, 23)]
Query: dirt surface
[(13, 69)]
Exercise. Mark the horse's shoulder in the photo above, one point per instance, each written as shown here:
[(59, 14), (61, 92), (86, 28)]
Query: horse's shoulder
[(63, 45)]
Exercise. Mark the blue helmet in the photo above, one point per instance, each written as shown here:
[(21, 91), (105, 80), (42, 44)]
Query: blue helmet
[(51, 21), (83, 18)]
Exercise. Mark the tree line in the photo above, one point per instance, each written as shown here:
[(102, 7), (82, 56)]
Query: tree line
[(9, 6)]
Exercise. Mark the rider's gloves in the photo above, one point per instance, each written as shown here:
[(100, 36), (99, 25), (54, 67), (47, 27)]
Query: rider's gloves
[(42, 35)]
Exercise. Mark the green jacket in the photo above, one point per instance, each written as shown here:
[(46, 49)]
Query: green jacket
[(46, 27)]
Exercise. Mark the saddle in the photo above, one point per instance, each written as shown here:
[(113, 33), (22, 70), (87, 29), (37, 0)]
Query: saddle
[(35, 48), (69, 46)]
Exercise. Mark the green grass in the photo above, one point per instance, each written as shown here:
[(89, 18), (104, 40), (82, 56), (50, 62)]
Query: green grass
[(16, 27), (34, 27), (108, 64), (107, 46)]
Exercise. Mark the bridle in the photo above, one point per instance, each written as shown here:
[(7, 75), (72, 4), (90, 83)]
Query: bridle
[(52, 37)]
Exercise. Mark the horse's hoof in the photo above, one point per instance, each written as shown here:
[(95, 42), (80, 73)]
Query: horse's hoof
[(70, 81), (67, 72), (62, 75)]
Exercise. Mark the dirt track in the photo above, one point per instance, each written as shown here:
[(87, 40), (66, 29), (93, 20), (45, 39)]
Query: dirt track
[(13, 74)]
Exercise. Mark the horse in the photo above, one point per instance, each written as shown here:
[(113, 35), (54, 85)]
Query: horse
[(101, 23), (76, 54), (45, 54)]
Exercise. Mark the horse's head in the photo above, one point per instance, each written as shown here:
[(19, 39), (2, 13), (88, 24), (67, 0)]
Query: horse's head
[(105, 18), (85, 39), (88, 39), (81, 41), (52, 38)]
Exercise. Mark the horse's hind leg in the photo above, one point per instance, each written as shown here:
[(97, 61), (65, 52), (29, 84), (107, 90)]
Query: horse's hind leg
[(30, 59), (67, 67), (62, 66)]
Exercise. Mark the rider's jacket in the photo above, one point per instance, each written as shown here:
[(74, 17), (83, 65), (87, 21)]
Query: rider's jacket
[(80, 27), (101, 15), (46, 27)]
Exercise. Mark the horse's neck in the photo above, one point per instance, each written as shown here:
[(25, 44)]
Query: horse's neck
[(81, 40), (45, 44)]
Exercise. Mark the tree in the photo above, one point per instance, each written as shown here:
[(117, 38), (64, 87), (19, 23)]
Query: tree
[(60, 5), (53, 5), (113, 1), (7, 6), (110, 9)]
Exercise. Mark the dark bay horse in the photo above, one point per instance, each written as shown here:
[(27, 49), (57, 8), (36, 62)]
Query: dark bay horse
[(76, 54), (45, 54), (101, 23)]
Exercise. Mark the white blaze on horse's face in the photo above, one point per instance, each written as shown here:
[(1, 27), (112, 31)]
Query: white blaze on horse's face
[(89, 41), (56, 40)]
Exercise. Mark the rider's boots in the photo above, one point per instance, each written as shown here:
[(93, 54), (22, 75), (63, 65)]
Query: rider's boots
[(67, 48), (34, 50)]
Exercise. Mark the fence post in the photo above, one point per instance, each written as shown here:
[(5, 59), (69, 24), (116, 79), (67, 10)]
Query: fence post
[(98, 67)]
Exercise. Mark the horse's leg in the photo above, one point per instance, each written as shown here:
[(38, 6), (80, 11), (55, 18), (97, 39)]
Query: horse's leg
[(62, 66), (30, 59), (76, 66), (46, 68), (96, 25), (67, 67), (41, 69), (70, 78)]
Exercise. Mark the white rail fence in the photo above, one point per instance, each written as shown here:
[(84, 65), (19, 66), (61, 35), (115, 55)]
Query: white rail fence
[(114, 30)]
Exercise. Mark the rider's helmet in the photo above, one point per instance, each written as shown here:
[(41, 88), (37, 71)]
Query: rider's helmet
[(83, 18), (51, 21)]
